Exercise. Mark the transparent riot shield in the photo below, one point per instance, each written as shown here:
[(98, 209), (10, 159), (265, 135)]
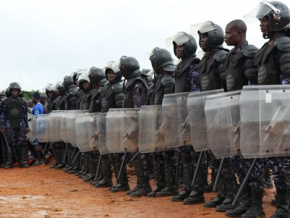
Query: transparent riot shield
[(222, 115), (170, 118), (265, 121), (93, 140), (42, 122), (70, 126), (33, 128), (129, 129), (151, 129), (82, 125), (113, 127), (101, 133), (195, 108), (54, 127)]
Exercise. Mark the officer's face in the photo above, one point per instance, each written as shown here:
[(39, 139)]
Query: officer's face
[(50, 95), (231, 36), (264, 24), (179, 51), (111, 76), (85, 85), (203, 42), (14, 93)]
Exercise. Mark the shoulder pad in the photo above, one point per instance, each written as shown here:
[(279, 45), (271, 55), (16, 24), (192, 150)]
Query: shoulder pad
[(220, 55), (250, 51), (167, 80), (117, 88), (282, 43)]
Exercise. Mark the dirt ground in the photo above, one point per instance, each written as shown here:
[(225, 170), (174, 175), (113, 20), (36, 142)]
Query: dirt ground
[(42, 192)]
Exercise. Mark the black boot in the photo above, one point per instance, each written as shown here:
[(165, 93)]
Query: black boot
[(122, 182), (59, 158), (246, 198), (159, 173), (218, 200), (282, 203), (230, 185), (23, 157), (171, 188), (9, 162), (106, 180), (92, 167), (143, 186), (256, 208), (195, 197), (186, 161)]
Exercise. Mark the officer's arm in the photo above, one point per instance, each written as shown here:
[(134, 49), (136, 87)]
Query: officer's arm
[(283, 46), (251, 71)]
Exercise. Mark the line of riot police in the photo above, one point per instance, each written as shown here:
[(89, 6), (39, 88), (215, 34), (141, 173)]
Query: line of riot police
[(228, 111)]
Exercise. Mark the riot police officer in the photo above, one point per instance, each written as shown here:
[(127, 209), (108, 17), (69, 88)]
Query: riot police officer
[(162, 63), (14, 126), (136, 95), (273, 68), (241, 71), (187, 80)]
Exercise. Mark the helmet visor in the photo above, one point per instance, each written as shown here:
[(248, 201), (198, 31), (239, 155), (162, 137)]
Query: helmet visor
[(202, 28), (260, 11), (180, 38)]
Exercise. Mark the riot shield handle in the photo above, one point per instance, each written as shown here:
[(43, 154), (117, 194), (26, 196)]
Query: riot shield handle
[(218, 175), (98, 167), (122, 164), (197, 168)]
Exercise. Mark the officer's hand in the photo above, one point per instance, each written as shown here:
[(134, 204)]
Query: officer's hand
[(3, 130), (27, 130)]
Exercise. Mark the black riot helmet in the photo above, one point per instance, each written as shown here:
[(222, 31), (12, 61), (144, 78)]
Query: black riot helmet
[(67, 82), (215, 33), (129, 67), (113, 66), (60, 88), (277, 12), (51, 88), (97, 77), (182, 38), (161, 58), (14, 85)]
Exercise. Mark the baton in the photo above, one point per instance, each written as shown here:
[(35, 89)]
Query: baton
[(51, 145), (72, 155), (218, 175), (7, 143), (235, 201), (44, 148), (197, 168), (122, 164)]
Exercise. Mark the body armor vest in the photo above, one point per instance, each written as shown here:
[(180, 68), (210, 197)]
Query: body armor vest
[(128, 101), (235, 77), (96, 104), (209, 75), (182, 84), (158, 92), (14, 112), (268, 72), (59, 103), (108, 96), (86, 98), (71, 98)]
